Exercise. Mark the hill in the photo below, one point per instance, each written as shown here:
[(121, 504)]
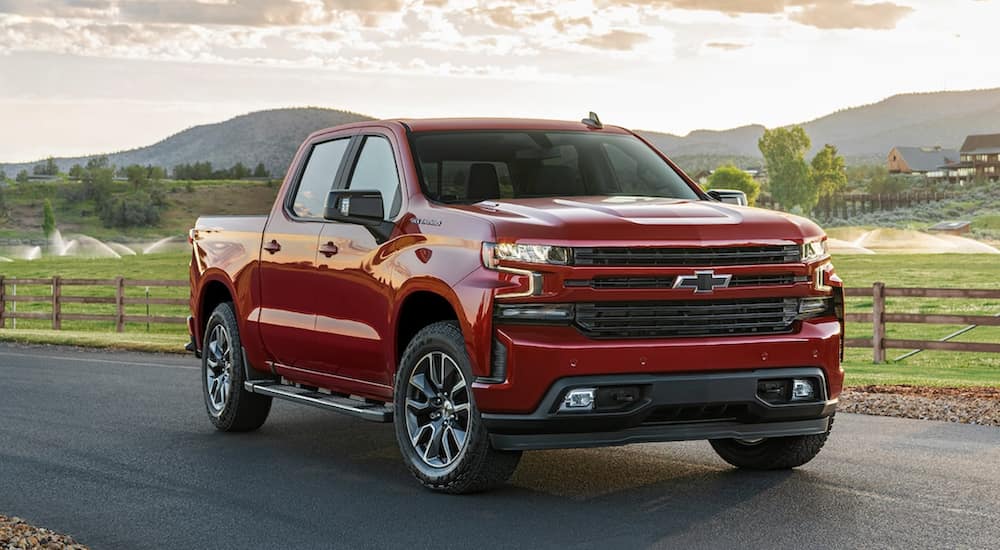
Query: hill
[(863, 134), (270, 137), (868, 131)]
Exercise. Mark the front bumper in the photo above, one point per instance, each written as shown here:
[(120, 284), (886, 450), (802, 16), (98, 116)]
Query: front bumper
[(537, 357), (670, 408)]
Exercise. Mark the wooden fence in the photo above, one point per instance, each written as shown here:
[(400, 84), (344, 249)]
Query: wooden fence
[(57, 297), (878, 318)]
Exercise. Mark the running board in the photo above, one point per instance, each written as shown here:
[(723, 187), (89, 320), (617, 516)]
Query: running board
[(376, 412)]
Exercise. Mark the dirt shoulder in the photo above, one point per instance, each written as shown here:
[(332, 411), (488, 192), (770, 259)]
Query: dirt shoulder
[(15, 533), (964, 405)]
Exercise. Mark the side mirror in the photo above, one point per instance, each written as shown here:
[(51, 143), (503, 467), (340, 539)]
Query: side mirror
[(362, 207), (730, 196)]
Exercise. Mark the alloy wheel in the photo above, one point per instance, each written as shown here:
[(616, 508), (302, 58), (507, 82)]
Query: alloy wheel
[(219, 371), (438, 410)]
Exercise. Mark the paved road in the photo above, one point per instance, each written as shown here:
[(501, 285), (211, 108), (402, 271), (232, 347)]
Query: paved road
[(115, 449)]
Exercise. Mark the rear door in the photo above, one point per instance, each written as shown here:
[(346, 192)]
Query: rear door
[(354, 309), (289, 278)]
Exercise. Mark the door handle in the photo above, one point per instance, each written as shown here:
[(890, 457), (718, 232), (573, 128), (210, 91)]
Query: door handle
[(328, 249), (272, 246)]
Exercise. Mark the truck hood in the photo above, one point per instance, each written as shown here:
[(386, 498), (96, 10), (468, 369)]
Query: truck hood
[(607, 221)]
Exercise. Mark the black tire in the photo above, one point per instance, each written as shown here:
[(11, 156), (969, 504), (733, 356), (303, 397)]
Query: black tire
[(477, 466), (241, 411), (779, 453)]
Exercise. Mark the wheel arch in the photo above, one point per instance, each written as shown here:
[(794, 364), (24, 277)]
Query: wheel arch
[(214, 290), (417, 309), (428, 301)]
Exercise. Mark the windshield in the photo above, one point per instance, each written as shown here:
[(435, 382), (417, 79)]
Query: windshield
[(475, 166)]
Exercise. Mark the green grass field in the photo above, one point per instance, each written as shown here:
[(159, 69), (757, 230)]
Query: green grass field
[(927, 368)]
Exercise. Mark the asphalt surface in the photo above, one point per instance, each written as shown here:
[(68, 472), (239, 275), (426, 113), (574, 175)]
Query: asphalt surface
[(115, 449)]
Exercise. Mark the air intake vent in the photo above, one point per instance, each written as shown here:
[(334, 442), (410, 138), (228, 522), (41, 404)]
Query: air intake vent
[(686, 318)]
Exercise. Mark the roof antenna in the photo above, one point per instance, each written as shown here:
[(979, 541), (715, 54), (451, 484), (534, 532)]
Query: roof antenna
[(592, 121)]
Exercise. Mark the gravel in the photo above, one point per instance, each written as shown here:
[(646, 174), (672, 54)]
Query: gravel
[(17, 534), (965, 405)]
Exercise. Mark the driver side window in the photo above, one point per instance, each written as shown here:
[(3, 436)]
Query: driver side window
[(318, 177), (375, 170)]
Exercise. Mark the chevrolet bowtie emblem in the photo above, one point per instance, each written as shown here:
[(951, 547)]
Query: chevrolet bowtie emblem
[(703, 281)]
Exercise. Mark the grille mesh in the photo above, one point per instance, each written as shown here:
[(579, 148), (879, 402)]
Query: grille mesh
[(642, 281), (703, 256), (686, 318)]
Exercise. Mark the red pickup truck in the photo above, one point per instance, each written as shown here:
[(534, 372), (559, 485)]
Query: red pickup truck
[(492, 286)]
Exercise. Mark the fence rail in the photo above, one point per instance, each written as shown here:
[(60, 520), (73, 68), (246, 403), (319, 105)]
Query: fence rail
[(56, 297), (878, 317)]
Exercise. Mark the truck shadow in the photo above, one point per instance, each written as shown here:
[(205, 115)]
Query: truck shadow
[(638, 495)]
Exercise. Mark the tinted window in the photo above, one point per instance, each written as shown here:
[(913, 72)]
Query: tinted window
[(474, 166), (376, 171), (317, 178)]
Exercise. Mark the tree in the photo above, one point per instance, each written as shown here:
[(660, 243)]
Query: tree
[(731, 177), (137, 175), (48, 219), (789, 176), (155, 173), (261, 171), (3, 176), (239, 171), (76, 172), (22, 177), (829, 174), (132, 209), (98, 162), (97, 182), (49, 168)]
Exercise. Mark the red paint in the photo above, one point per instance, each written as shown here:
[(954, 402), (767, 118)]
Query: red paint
[(331, 319)]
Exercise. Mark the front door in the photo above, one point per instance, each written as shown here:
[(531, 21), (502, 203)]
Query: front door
[(354, 308), (289, 278)]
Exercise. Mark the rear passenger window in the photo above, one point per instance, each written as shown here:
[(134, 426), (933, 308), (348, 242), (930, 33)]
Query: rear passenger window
[(376, 171), (317, 178)]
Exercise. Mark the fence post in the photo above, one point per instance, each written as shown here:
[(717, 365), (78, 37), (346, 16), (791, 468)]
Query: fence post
[(57, 303), (3, 303), (120, 303), (878, 322)]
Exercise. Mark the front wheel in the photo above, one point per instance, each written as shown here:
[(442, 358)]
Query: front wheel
[(438, 427), (779, 453), (230, 407)]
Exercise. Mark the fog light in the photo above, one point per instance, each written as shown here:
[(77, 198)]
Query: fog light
[(581, 399), (803, 390)]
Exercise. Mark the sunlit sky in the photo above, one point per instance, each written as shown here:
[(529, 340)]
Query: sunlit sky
[(88, 76)]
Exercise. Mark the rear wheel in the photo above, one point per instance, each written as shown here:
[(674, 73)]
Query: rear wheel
[(230, 407), (438, 427), (779, 453)]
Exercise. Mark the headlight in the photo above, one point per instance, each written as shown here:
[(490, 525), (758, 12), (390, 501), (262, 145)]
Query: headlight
[(815, 307), (815, 250), (494, 253), (534, 313)]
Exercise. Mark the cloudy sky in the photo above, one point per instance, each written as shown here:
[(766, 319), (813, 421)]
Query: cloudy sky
[(83, 76)]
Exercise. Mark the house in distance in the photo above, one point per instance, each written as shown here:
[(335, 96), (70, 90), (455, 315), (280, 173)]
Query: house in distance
[(920, 160)]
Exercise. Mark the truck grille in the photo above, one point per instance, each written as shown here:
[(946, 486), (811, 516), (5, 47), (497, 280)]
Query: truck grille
[(654, 281), (673, 257), (686, 318)]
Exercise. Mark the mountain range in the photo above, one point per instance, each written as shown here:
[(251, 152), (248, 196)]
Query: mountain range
[(866, 132)]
